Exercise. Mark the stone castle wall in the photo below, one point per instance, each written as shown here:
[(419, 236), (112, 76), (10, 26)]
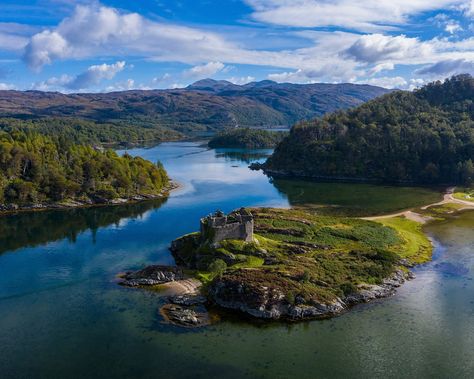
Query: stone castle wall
[(236, 226)]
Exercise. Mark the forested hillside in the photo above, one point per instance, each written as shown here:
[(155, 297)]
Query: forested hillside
[(206, 105), (426, 136), (89, 132), (247, 138), (38, 169)]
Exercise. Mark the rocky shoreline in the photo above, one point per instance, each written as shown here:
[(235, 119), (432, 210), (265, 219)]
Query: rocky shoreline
[(265, 303), (189, 309), (96, 202)]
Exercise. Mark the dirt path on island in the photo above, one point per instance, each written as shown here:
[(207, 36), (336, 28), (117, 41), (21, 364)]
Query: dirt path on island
[(448, 198)]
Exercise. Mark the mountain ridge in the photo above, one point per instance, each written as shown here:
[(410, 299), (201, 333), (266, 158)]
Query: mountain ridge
[(204, 105)]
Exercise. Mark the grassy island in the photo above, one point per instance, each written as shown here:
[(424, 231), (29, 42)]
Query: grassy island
[(247, 138), (302, 265)]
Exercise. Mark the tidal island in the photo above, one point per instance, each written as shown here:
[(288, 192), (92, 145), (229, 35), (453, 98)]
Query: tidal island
[(287, 264)]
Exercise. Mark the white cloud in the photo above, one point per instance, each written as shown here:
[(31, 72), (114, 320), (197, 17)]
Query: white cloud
[(367, 15), (161, 79), (241, 80), (204, 71), (453, 27), (54, 83), (388, 66), (388, 82), (91, 77), (176, 86), (340, 70), (100, 31), (6, 86), (448, 24), (469, 8), (126, 85), (393, 82), (372, 48), (45, 47), (12, 42), (447, 68), (95, 74)]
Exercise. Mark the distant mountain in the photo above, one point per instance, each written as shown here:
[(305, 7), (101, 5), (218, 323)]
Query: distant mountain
[(425, 136), (205, 105)]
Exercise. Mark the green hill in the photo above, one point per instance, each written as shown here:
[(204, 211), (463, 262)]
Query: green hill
[(425, 136)]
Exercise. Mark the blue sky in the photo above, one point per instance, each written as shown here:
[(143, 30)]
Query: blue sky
[(89, 46)]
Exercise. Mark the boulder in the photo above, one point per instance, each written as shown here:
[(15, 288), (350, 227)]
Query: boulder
[(152, 275), (184, 316)]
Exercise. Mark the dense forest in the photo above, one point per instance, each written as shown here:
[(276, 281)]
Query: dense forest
[(425, 136), (205, 105), (247, 138), (41, 169), (89, 132)]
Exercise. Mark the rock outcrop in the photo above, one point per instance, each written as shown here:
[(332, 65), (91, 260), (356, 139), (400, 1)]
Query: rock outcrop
[(152, 275), (273, 303), (185, 316)]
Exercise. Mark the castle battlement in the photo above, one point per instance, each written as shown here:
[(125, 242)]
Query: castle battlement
[(236, 225)]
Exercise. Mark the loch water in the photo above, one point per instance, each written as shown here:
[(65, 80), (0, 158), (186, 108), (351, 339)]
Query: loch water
[(62, 314)]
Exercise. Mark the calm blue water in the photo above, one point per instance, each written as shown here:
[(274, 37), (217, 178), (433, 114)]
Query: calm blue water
[(62, 314)]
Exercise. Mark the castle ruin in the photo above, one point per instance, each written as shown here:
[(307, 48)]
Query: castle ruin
[(237, 225)]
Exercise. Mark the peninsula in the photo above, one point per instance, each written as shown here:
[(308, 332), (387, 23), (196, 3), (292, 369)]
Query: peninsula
[(41, 172), (425, 136)]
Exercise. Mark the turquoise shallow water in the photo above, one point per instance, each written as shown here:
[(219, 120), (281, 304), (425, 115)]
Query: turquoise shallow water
[(63, 316)]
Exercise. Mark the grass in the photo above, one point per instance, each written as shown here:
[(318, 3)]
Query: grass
[(416, 247), (466, 194), (439, 212), (311, 256)]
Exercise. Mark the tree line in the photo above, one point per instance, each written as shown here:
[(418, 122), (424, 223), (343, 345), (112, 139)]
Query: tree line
[(246, 138), (89, 132), (425, 136), (38, 169)]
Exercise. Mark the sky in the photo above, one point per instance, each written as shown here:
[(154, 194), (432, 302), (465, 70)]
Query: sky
[(112, 45)]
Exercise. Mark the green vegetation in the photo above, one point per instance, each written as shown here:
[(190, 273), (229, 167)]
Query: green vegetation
[(39, 169), (89, 132), (416, 246), (426, 136), (247, 138), (309, 255), (354, 199), (466, 194)]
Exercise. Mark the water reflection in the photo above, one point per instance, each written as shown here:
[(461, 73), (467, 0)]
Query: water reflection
[(241, 155), (62, 315), (29, 229), (354, 199)]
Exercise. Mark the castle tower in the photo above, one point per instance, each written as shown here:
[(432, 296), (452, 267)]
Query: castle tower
[(237, 225)]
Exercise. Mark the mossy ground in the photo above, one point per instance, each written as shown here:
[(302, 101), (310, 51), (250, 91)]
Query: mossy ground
[(466, 194), (312, 256), (416, 247)]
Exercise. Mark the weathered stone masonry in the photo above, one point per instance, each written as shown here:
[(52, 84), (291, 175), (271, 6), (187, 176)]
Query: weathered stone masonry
[(237, 225)]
